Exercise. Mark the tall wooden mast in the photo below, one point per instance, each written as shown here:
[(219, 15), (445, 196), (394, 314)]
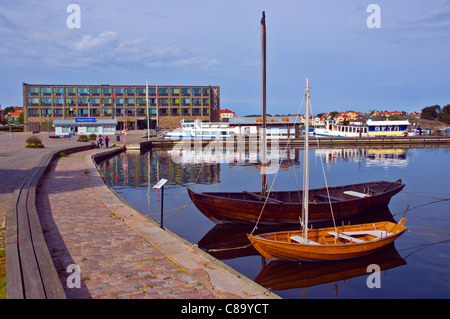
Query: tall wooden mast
[(264, 142)]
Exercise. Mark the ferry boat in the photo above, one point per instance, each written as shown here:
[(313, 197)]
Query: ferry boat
[(334, 129), (358, 129), (204, 130)]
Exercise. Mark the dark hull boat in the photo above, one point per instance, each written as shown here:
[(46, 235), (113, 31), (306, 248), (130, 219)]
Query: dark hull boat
[(286, 206)]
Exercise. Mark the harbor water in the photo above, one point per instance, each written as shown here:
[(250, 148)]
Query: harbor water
[(417, 265)]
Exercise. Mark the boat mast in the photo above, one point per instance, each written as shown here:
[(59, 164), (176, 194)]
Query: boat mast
[(264, 142), (306, 164)]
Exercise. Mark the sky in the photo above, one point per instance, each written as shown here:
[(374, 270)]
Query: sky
[(404, 64)]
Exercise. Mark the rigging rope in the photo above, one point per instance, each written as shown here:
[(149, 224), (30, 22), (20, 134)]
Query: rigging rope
[(276, 174)]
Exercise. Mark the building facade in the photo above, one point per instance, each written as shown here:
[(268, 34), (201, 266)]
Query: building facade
[(167, 105)]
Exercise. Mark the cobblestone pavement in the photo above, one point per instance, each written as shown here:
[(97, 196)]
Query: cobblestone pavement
[(115, 262)]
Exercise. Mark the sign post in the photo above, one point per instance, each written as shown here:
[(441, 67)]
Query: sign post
[(160, 185)]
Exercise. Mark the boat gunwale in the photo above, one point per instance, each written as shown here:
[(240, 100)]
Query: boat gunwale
[(217, 194)]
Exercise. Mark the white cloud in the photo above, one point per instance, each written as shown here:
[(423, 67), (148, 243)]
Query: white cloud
[(88, 42)]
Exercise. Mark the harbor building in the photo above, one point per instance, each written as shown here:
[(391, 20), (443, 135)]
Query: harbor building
[(127, 104)]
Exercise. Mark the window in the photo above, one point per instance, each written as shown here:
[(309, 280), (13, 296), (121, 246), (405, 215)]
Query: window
[(107, 101), (141, 101), (163, 112), (33, 101), (46, 112), (66, 129), (205, 111), (82, 102), (57, 102), (129, 102), (33, 91), (174, 112), (70, 91), (57, 113), (205, 101), (163, 91), (95, 101), (163, 102), (186, 91), (106, 91), (141, 111), (119, 101), (175, 91), (58, 91), (94, 91), (196, 91), (119, 91), (151, 91), (119, 112), (185, 112), (92, 129), (109, 129), (175, 102), (197, 102), (196, 111), (205, 91), (130, 112), (185, 101), (46, 91), (33, 112), (82, 91), (152, 111), (83, 112), (70, 101), (46, 101), (140, 91), (129, 91), (107, 112)]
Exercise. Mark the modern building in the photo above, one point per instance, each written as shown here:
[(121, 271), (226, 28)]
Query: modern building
[(167, 105)]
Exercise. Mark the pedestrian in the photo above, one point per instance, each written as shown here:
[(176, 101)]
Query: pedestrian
[(100, 142), (106, 141)]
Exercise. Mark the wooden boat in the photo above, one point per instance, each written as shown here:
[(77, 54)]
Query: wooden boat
[(332, 243), (285, 206)]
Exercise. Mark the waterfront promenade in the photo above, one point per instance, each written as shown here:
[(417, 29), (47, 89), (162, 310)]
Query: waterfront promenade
[(120, 252)]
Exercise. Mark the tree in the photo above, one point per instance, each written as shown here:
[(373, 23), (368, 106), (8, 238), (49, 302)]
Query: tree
[(444, 116), (431, 112), (7, 110)]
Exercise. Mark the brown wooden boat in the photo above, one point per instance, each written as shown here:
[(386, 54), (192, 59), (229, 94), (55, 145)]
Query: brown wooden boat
[(286, 206), (332, 243)]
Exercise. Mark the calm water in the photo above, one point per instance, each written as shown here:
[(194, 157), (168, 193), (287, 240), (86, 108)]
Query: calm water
[(416, 266)]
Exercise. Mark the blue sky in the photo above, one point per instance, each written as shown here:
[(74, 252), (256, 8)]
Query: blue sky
[(404, 65)]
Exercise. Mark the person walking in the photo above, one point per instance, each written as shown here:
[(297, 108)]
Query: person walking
[(100, 142), (107, 141)]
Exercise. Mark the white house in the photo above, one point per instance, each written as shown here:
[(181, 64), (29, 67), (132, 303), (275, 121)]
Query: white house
[(85, 126)]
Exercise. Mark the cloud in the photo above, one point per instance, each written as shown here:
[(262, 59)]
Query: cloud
[(88, 42)]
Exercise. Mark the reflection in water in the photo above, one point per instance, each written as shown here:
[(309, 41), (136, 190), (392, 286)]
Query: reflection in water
[(384, 157), (140, 170), (134, 175), (282, 275)]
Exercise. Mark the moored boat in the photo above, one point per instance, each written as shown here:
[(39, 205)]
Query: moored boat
[(332, 243), (286, 206)]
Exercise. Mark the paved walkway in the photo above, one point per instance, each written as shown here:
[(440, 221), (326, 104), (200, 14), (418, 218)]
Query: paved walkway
[(120, 252)]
